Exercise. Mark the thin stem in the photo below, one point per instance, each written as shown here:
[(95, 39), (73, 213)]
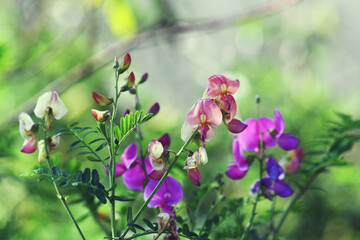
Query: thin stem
[(160, 182), (59, 195), (272, 213), (139, 136), (291, 203)]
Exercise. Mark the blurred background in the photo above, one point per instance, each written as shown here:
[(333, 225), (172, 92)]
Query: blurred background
[(302, 60)]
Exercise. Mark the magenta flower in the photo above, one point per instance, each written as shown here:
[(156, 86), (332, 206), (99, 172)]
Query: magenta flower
[(207, 115), (158, 155), (270, 131), (239, 167), (169, 193), (27, 129), (273, 183), (130, 168), (221, 88), (295, 158)]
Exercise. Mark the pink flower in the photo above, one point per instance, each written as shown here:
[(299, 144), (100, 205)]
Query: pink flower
[(192, 163), (295, 158), (50, 105), (27, 131), (207, 115), (269, 131), (222, 89)]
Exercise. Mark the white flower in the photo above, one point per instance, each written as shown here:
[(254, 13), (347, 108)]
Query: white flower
[(51, 102)]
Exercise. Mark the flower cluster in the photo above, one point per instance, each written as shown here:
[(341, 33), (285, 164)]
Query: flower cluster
[(135, 176), (49, 107), (218, 105), (261, 134)]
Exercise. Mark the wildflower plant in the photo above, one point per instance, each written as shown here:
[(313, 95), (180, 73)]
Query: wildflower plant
[(146, 167)]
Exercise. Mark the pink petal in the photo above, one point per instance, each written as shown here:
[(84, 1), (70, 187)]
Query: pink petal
[(234, 172), (134, 178), (279, 123), (212, 112), (250, 137), (29, 145), (194, 175), (193, 117), (228, 105), (231, 85), (186, 131), (267, 124), (156, 174), (237, 151), (214, 87), (120, 169)]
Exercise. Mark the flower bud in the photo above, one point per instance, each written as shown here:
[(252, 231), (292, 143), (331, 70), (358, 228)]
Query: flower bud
[(125, 64), (100, 116), (162, 219), (127, 111), (154, 109), (144, 77), (116, 63), (42, 151), (101, 100), (130, 82), (236, 126), (54, 142), (155, 150)]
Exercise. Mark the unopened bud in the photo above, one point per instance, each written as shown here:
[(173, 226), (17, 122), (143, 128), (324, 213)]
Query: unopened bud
[(257, 98), (144, 77), (130, 82), (236, 126), (100, 116), (116, 63), (101, 100), (54, 142), (42, 152), (125, 64), (154, 109)]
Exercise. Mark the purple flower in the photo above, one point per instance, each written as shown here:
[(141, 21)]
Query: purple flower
[(239, 168), (169, 193), (273, 183), (130, 168), (270, 131)]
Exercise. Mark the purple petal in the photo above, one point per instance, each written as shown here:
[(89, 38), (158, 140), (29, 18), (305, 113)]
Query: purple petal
[(134, 178), (282, 189), (174, 192), (120, 169), (127, 111), (250, 137), (156, 174), (158, 198), (236, 126), (154, 109), (129, 155), (165, 140), (273, 169), (166, 208), (234, 172), (254, 187), (194, 175), (279, 123), (288, 142)]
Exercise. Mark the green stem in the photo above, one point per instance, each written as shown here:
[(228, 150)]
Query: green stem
[(59, 195), (291, 203), (160, 182)]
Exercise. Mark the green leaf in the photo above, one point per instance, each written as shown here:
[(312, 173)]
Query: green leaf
[(93, 159), (101, 146), (56, 170), (74, 147), (75, 184), (136, 226), (41, 179), (117, 133), (129, 216), (96, 140), (86, 175), (73, 124), (82, 153), (185, 229), (64, 183), (83, 129), (77, 174), (66, 174), (122, 199), (149, 224), (87, 133), (100, 195), (95, 177)]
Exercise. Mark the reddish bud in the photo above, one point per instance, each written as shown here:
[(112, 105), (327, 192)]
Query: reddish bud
[(236, 126), (125, 63), (116, 63), (130, 82), (100, 116), (101, 100)]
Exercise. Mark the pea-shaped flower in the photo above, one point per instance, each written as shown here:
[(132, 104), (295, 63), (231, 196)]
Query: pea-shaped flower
[(50, 106), (207, 115), (27, 131), (192, 163)]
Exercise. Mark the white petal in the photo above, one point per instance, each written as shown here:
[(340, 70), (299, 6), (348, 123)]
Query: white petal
[(58, 107), (186, 131), (42, 152), (203, 156), (26, 124), (42, 104)]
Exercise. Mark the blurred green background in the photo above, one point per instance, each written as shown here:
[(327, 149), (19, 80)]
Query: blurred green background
[(303, 61)]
